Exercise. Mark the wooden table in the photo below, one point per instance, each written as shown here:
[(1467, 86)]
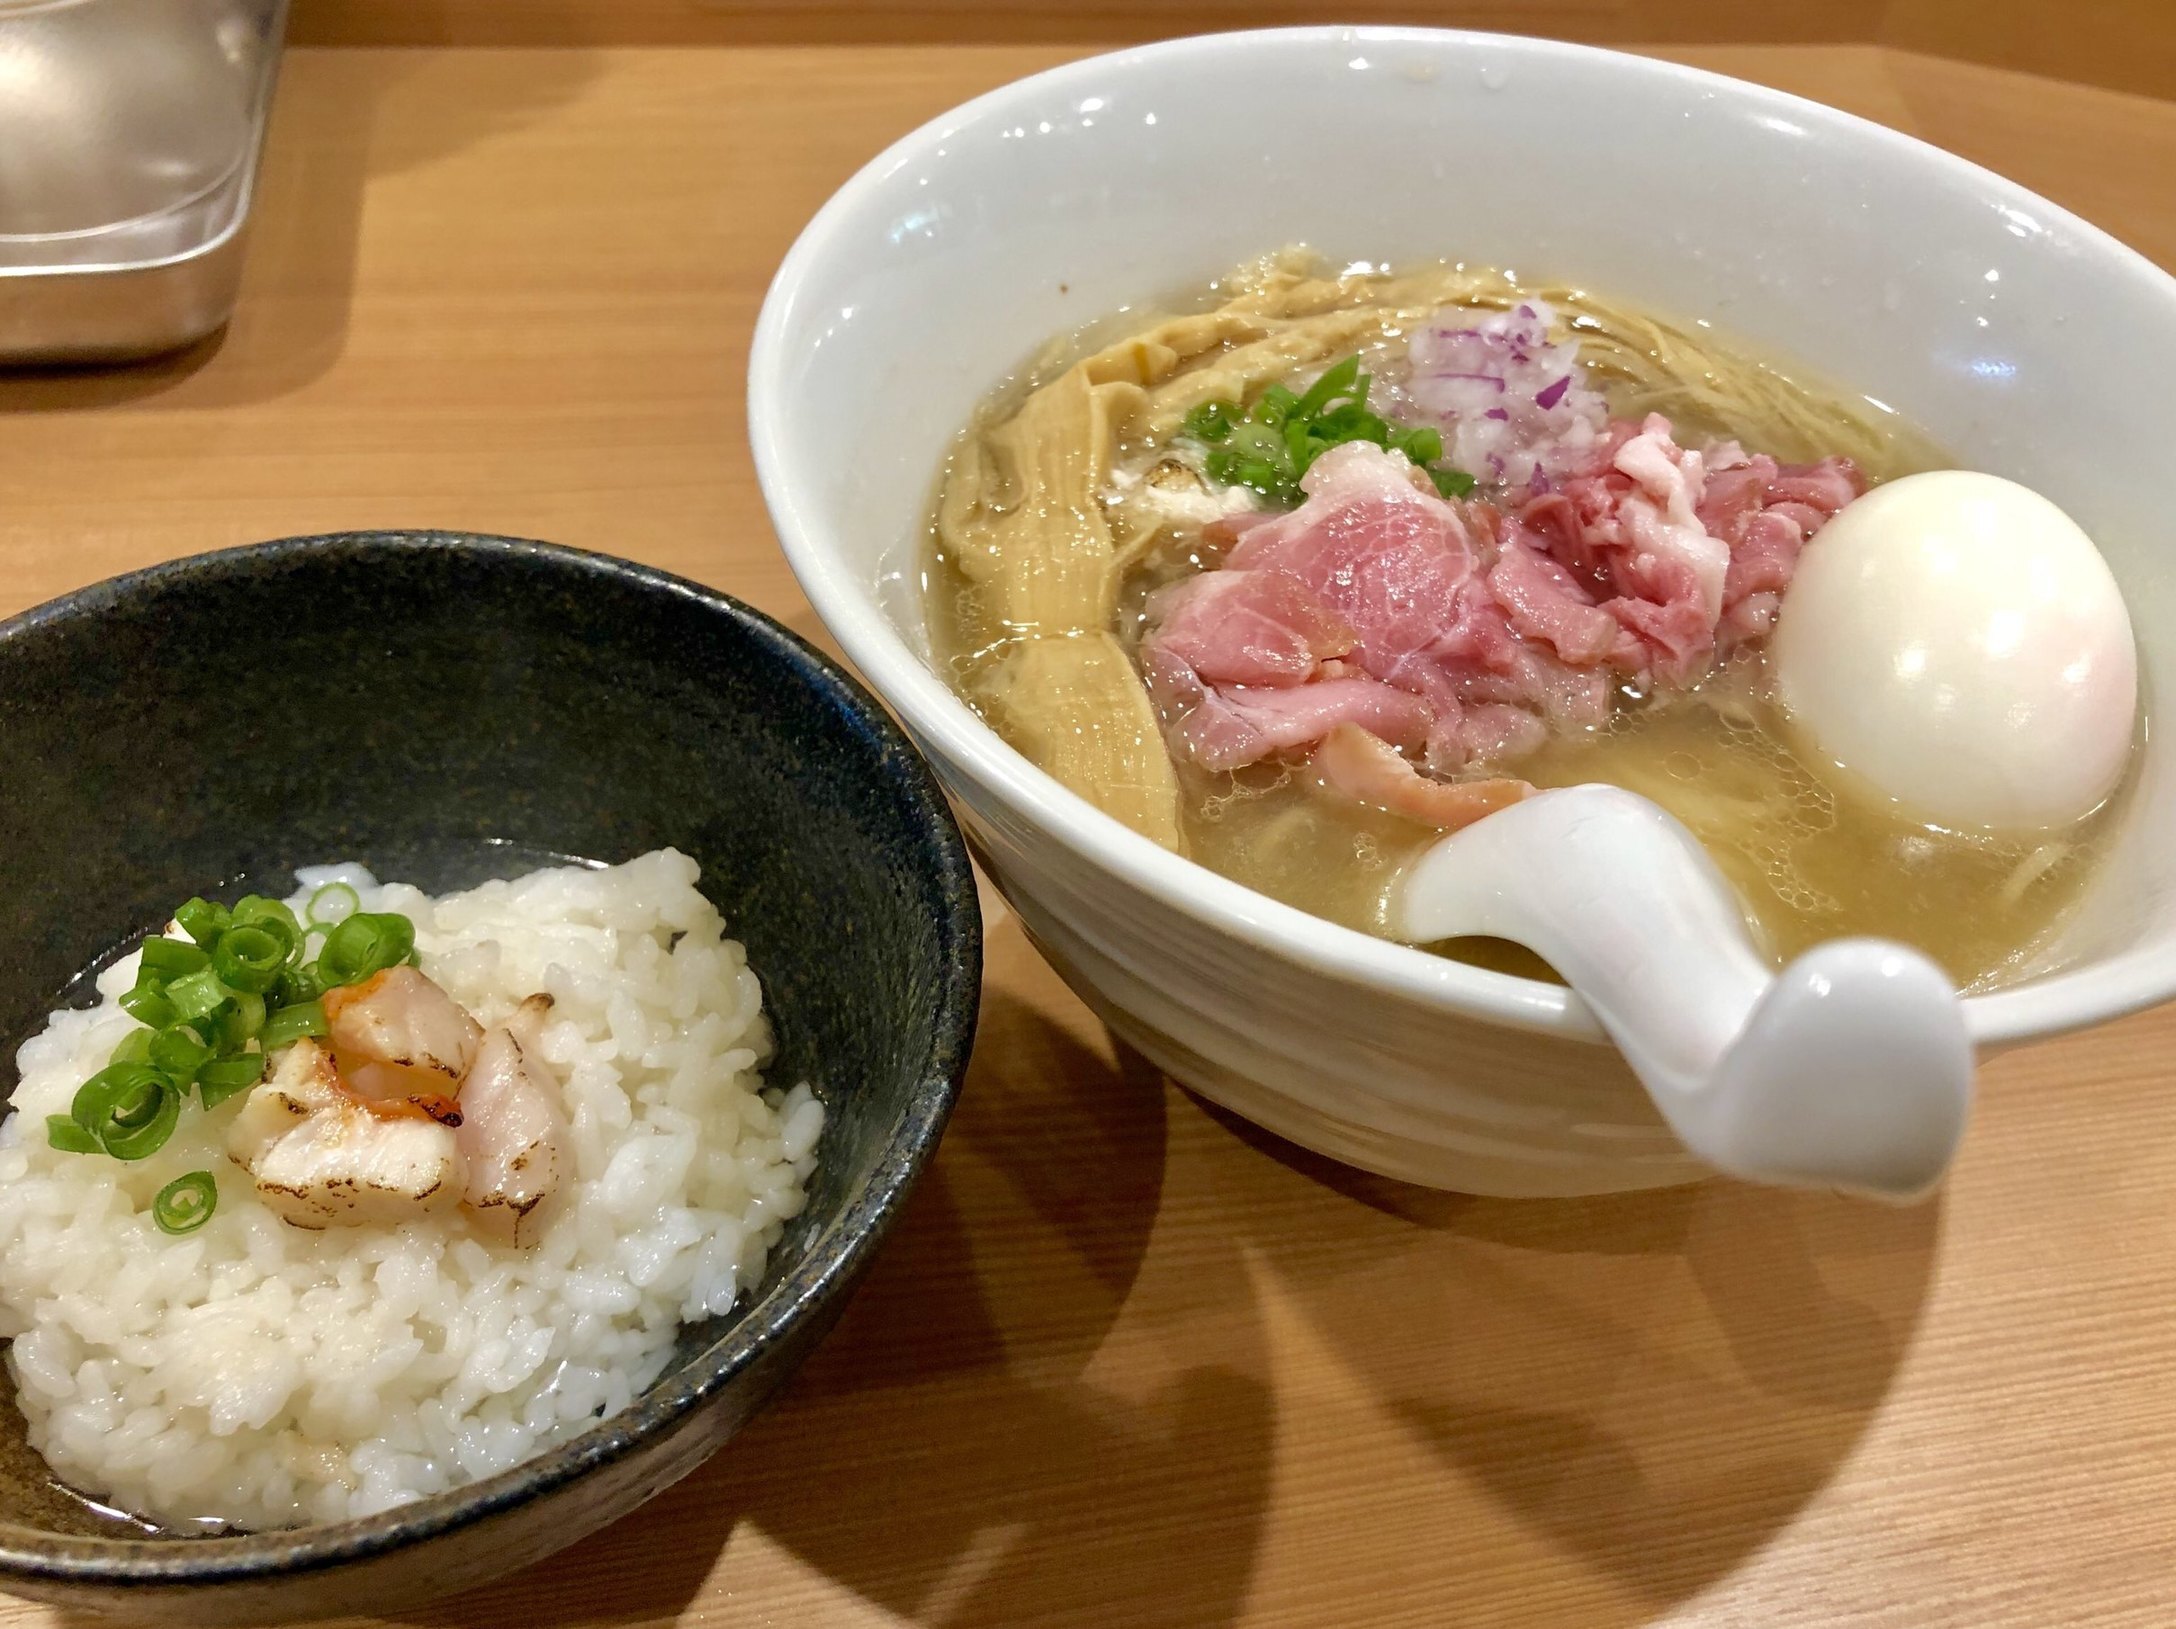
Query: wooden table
[(1127, 1362)]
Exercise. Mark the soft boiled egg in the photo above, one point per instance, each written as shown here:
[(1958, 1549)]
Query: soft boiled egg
[(1956, 640)]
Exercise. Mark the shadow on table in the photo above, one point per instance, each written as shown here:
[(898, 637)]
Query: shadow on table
[(338, 119), (1651, 1386), (944, 1453), (1655, 1383)]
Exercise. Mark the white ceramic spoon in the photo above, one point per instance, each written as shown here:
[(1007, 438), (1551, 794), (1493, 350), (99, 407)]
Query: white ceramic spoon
[(1849, 1069)]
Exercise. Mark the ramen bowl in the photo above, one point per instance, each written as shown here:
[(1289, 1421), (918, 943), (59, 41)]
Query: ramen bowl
[(1990, 318)]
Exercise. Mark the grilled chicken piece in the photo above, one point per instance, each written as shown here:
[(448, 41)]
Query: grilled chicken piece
[(513, 1127), (320, 1157), (397, 1037)]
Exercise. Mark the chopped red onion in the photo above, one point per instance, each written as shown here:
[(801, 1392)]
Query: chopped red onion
[(1510, 402)]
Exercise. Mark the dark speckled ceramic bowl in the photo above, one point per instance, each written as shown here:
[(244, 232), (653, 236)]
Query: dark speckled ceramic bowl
[(447, 708)]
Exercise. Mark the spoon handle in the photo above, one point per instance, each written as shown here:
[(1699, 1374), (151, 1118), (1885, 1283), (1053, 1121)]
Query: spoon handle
[(1851, 1069)]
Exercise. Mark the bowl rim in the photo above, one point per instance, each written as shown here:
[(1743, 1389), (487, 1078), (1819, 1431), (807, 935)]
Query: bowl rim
[(834, 1256), (2111, 987)]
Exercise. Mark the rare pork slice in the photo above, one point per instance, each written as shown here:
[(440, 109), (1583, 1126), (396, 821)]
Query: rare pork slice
[(1766, 511), (1629, 532), (1366, 606), (1543, 601), (1410, 573), (1371, 771), (1387, 556), (1689, 552), (1231, 726), (1248, 627), (1462, 635)]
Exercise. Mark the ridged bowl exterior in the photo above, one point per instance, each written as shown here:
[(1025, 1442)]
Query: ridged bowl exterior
[(2006, 328)]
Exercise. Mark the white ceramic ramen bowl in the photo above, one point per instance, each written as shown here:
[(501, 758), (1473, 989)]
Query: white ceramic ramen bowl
[(2009, 329)]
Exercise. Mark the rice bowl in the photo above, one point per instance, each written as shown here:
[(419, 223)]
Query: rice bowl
[(625, 710)]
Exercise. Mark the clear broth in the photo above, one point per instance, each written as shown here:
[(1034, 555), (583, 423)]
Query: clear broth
[(1813, 855), (1812, 858)]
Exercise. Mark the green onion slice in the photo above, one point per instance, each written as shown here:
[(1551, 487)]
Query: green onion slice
[(366, 943), (1423, 446), (197, 995), (229, 1030), (291, 1023), (244, 1022), (169, 958), (223, 1077), (149, 1005), (256, 910), (178, 1053), (300, 983), (1209, 421), (1344, 379), (332, 904), (130, 1108), (64, 1134), (213, 1009), (1295, 442), (186, 1203), (202, 921), (1273, 444), (96, 1096), (248, 957), (1275, 406)]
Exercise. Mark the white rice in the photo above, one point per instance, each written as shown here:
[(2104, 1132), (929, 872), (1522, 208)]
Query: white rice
[(260, 1375)]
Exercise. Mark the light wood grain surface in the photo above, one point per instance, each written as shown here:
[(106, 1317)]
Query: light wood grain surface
[(2122, 44), (1127, 1362)]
